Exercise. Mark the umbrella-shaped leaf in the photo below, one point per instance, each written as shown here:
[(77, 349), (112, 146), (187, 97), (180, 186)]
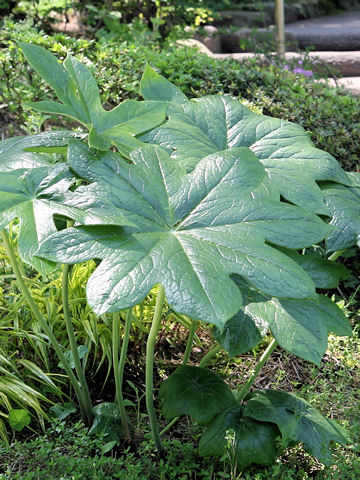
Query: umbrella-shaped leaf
[(195, 391), (344, 205), (203, 126), (298, 422), (79, 93), (33, 196), (191, 233)]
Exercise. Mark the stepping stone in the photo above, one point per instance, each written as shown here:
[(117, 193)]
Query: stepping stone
[(335, 32)]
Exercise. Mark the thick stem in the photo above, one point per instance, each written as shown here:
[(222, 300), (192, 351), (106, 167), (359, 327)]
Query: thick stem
[(190, 341), (149, 378), (73, 346), (118, 366), (41, 320), (264, 357), (211, 353)]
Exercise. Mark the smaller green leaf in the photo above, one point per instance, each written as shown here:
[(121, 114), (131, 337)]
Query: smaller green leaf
[(344, 204), (256, 443), (240, 334), (108, 446), (53, 107), (107, 422), (213, 441), (195, 391), (19, 418), (49, 68), (23, 152), (82, 351), (334, 318), (154, 86), (63, 410), (324, 273), (297, 420)]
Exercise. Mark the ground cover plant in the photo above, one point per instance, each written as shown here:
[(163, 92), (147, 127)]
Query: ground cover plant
[(200, 201)]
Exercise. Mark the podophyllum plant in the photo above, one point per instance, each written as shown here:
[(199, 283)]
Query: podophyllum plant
[(216, 206)]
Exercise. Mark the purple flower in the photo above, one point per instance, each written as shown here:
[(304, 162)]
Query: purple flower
[(286, 67), (306, 73)]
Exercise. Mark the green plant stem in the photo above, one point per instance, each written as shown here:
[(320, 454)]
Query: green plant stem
[(73, 346), (44, 325), (187, 353), (118, 366), (334, 256), (211, 353), (264, 357), (149, 374), (190, 340)]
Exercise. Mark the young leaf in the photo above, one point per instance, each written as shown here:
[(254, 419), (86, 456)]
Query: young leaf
[(18, 419), (256, 443), (107, 422), (77, 89), (63, 410), (214, 123), (82, 351), (195, 391), (344, 205), (201, 227), (297, 420)]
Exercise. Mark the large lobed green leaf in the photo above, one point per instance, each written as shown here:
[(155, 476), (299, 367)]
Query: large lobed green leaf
[(191, 231), (195, 391)]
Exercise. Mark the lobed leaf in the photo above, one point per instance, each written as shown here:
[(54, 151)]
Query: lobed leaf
[(190, 232), (324, 273), (24, 152)]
